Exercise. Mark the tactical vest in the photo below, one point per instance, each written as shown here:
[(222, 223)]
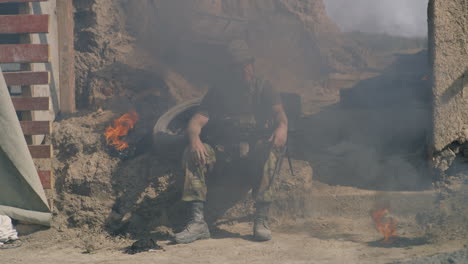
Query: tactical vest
[(254, 123)]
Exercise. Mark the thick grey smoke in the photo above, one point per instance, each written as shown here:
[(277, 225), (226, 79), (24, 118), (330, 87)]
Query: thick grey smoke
[(394, 17)]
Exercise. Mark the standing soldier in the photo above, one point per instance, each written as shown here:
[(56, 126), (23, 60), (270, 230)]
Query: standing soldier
[(245, 121)]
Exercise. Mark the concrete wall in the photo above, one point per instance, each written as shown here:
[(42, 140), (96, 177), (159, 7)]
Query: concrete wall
[(448, 41)]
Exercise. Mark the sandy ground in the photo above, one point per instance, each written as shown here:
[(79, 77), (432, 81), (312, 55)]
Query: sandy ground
[(320, 240), (337, 229)]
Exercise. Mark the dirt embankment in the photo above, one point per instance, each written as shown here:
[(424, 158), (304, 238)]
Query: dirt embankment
[(140, 56), (139, 194), (295, 43), (132, 56)]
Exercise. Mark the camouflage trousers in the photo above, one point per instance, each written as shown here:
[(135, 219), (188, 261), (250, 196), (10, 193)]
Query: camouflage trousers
[(261, 162)]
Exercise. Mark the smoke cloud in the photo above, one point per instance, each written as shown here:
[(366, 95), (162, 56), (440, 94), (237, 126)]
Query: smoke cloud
[(407, 18)]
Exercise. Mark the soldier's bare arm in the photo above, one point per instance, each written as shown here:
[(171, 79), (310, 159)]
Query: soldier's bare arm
[(194, 129), (280, 135)]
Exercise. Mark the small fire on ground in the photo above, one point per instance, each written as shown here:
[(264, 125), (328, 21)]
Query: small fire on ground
[(385, 224), (120, 129)]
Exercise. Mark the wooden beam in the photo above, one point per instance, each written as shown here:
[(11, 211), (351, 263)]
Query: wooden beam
[(20, 1), (30, 103), (26, 78), (24, 53), (46, 179), (19, 24), (40, 151), (65, 23), (36, 127)]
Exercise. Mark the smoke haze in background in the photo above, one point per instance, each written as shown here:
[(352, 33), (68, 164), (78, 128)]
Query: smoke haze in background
[(407, 18)]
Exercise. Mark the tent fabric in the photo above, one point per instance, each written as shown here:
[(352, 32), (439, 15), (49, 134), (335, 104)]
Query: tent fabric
[(21, 194)]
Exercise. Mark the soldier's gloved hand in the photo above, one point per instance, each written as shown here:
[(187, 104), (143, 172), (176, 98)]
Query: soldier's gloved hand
[(279, 136), (199, 151)]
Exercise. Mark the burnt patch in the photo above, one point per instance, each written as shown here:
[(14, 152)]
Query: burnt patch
[(399, 242)]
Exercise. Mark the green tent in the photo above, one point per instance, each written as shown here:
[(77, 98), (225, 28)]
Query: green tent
[(21, 194)]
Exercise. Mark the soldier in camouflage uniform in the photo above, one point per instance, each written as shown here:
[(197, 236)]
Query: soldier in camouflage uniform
[(243, 120)]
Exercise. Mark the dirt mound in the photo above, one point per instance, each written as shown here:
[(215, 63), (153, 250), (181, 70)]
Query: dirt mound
[(89, 178), (83, 171), (139, 194)]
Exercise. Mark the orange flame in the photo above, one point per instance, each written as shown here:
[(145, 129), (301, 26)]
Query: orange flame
[(425, 77), (120, 129), (386, 225)]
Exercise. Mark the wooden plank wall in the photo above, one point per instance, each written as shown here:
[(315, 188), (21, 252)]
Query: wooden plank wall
[(26, 54), (26, 78), (17, 24)]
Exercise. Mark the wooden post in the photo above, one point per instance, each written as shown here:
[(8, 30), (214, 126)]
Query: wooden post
[(65, 25)]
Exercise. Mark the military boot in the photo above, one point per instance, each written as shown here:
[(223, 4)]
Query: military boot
[(261, 230), (196, 228)]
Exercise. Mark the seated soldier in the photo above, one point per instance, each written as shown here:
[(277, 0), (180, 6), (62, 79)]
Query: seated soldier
[(248, 123)]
